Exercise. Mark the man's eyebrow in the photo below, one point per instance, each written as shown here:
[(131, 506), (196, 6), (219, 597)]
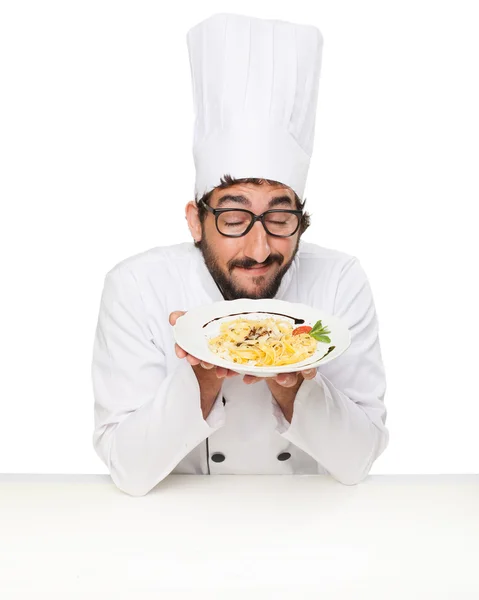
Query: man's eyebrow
[(229, 198), (278, 201)]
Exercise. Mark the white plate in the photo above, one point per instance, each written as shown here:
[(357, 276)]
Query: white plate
[(193, 330)]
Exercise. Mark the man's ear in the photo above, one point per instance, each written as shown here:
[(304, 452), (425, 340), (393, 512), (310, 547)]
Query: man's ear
[(194, 224)]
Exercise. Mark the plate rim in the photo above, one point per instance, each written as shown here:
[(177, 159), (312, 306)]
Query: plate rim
[(264, 370)]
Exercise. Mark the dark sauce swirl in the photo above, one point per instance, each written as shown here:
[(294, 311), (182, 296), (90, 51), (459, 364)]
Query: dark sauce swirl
[(296, 321)]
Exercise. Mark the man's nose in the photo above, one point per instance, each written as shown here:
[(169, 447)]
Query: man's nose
[(257, 244)]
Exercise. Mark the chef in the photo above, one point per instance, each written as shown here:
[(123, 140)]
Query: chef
[(159, 410)]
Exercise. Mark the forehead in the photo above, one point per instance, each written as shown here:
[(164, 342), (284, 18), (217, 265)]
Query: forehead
[(254, 192)]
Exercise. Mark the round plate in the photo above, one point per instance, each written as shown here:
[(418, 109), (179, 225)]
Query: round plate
[(193, 330)]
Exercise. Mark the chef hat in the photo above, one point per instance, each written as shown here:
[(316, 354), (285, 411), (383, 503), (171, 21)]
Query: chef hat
[(255, 89)]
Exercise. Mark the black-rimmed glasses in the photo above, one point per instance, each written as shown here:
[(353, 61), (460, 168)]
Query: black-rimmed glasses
[(236, 222)]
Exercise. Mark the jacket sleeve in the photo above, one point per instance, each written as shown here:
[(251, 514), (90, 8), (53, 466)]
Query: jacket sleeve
[(146, 420), (339, 417)]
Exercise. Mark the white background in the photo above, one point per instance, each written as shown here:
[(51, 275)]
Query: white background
[(96, 126)]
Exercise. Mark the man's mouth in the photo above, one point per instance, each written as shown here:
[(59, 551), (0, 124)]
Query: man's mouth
[(256, 270)]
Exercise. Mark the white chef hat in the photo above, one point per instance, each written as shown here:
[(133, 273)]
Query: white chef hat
[(255, 89)]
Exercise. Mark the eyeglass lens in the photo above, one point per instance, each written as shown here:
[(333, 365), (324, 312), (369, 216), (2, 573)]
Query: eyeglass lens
[(235, 222)]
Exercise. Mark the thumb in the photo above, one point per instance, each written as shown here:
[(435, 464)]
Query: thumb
[(175, 315)]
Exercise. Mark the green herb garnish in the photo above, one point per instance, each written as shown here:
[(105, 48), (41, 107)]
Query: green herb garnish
[(318, 332)]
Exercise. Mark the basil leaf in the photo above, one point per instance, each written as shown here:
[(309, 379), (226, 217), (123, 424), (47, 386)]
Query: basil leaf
[(318, 332), (317, 326), (320, 338)]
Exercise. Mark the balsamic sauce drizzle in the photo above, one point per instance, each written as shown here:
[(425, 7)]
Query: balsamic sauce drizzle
[(296, 321)]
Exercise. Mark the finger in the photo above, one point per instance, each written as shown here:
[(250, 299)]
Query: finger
[(287, 379), (175, 315), (248, 379), (192, 360), (309, 373), (180, 353), (221, 372), (231, 373), (206, 365)]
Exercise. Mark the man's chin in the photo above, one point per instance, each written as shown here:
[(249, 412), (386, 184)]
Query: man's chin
[(251, 295), (258, 287), (254, 284)]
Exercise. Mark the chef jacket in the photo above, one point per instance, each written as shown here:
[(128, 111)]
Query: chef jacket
[(147, 413)]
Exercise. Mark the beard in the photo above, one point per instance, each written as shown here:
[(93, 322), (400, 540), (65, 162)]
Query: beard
[(226, 284)]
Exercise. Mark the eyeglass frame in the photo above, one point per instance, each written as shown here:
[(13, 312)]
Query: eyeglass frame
[(218, 211)]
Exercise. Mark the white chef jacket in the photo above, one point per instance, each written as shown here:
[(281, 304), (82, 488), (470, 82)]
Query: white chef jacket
[(148, 418)]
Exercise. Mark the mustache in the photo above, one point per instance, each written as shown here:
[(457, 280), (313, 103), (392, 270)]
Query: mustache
[(247, 263)]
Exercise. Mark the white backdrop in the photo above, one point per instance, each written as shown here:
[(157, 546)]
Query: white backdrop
[(96, 126)]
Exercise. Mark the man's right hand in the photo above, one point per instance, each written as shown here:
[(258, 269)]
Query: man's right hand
[(209, 377), (219, 372)]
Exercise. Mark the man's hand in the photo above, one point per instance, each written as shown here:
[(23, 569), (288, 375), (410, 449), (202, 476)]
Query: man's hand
[(209, 377), (287, 380), (219, 372), (284, 388)]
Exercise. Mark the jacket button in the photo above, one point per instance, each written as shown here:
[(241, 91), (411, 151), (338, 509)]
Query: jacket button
[(218, 457), (284, 456)]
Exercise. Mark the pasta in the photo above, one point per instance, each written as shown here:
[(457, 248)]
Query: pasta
[(262, 343)]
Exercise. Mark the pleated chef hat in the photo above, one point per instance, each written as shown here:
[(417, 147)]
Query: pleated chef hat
[(255, 89)]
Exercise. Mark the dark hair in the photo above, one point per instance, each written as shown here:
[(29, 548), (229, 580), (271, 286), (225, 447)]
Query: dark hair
[(227, 181)]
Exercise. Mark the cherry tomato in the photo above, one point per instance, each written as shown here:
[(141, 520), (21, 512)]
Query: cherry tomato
[(302, 329)]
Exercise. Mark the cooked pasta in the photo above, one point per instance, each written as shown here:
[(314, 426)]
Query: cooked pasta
[(262, 343)]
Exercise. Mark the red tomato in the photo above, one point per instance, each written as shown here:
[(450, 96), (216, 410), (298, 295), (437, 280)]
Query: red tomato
[(302, 329)]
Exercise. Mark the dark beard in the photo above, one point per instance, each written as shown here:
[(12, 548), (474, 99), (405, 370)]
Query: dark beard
[(226, 285)]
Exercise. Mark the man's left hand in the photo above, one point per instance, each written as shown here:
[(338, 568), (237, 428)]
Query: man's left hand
[(284, 387), (287, 380)]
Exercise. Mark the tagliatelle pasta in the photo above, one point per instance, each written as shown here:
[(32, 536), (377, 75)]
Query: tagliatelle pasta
[(262, 343)]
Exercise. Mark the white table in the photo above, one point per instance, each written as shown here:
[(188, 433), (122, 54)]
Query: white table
[(227, 537)]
